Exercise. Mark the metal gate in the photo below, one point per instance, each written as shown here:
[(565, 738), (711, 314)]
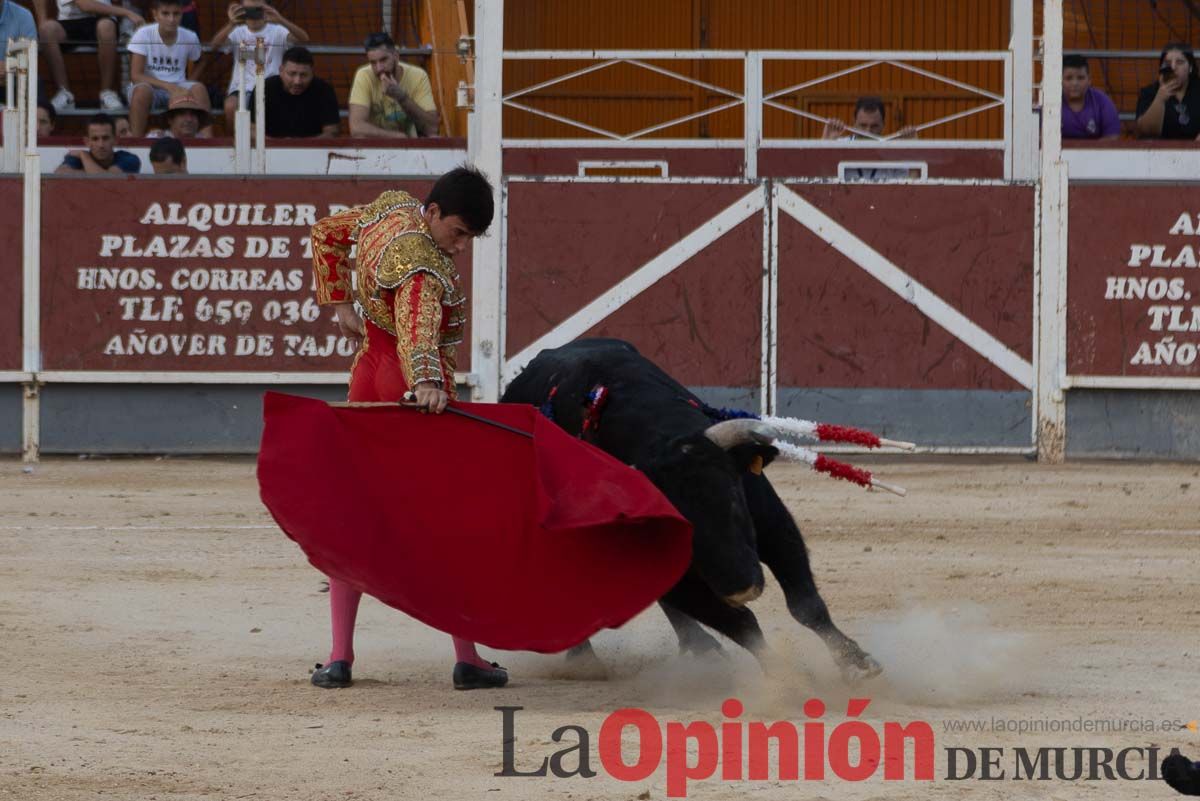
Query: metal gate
[(865, 304)]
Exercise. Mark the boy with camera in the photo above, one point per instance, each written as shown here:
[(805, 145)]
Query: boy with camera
[(249, 21)]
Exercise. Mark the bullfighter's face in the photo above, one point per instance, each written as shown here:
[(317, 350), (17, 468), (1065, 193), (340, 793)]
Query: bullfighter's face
[(449, 232)]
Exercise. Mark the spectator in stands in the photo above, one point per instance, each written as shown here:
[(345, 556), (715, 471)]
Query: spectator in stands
[(158, 65), (299, 105), (100, 156), (124, 131), (253, 20), (83, 22), (47, 117), (1170, 108), (167, 157), (186, 119), (390, 99), (15, 23), (869, 117), (1087, 113)]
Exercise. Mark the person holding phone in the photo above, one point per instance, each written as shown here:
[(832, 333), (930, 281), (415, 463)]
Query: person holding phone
[(249, 21), (1170, 107)]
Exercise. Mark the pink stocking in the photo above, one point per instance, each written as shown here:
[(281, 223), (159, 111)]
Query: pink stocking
[(464, 651), (343, 609)]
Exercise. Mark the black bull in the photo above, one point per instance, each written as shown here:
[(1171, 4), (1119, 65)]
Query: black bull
[(708, 471)]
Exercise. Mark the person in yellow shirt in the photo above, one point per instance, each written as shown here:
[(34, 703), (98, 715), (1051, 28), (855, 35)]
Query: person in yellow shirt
[(389, 99)]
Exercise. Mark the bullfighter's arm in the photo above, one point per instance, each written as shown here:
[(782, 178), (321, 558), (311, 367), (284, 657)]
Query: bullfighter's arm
[(418, 310), (332, 239)]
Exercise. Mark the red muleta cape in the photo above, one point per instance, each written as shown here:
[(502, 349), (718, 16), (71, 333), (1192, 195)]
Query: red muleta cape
[(515, 543)]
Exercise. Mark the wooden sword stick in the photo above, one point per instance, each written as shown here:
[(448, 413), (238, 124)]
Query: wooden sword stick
[(450, 409)]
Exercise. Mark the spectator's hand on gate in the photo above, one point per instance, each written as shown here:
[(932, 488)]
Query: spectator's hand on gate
[(430, 397), (907, 132), (834, 129), (348, 321)]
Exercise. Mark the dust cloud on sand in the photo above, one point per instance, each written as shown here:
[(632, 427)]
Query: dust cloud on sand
[(949, 656)]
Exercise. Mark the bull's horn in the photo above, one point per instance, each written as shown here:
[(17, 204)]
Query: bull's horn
[(730, 433)]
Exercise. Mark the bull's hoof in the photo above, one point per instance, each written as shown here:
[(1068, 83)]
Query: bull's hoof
[(701, 643), (1181, 773), (859, 668), (582, 663)]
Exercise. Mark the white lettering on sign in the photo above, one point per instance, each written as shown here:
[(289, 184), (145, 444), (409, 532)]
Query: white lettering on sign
[(1146, 258), (206, 216), (232, 280)]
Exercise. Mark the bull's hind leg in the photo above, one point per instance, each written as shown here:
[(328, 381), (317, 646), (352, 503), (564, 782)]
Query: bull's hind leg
[(692, 597), (782, 549), (584, 663), (693, 639)]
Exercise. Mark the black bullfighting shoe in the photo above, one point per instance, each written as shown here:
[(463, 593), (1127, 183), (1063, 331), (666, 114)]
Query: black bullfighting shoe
[(332, 676), (470, 677), (1181, 773)]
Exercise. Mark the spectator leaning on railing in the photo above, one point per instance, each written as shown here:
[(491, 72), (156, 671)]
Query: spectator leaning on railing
[(167, 157), (15, 23), (83, 22), (298, 104), (870, 115), (1087, 113), (1170, 107), (160, 54), (390, 99), (47, 118), (100, 157), (248, 22)]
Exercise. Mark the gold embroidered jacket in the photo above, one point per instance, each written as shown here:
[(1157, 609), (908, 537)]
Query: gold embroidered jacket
[(401, 281)]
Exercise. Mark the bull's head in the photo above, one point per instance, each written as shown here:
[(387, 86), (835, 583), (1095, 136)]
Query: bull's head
[(702, 476)]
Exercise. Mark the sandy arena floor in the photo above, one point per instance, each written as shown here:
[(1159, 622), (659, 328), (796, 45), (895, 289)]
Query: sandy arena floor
[(158, 633)]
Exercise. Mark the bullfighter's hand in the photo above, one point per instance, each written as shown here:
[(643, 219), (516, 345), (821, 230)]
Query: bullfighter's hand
[(349, 323), (430, 397)]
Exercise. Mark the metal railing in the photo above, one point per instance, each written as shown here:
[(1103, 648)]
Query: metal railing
[(753, 99), (21, 155), (20, 64), (246, 158)]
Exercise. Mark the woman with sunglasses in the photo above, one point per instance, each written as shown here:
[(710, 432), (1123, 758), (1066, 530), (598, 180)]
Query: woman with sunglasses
[(1170, 108)]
